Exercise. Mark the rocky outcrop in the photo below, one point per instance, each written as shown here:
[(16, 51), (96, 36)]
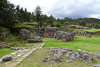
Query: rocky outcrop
[(24, 34), (30, 36), (64, 36), (49, 31), (35, 40)]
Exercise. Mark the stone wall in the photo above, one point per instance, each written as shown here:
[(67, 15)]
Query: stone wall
[(30, 36), (64, 36), (49, 31)]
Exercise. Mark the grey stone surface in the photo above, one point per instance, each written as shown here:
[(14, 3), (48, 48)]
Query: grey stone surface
[(97, 54), (49, 31), (68, 61), (82, 52), (88, 36), (57, 57), (97, 65), (6, 58), (87, 58), (64, 36), (46, 59), (35, 40)]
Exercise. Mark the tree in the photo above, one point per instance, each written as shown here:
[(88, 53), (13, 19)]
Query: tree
[(38, 13), (82, 23), (7, 14), (50, 20)]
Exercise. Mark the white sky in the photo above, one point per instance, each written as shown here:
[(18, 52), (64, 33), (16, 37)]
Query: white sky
[(63, 8)]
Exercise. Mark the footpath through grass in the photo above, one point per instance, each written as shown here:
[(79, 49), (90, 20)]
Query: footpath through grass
[(87, 44)]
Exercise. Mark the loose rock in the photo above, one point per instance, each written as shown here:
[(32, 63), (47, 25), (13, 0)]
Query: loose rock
[(6, 58)]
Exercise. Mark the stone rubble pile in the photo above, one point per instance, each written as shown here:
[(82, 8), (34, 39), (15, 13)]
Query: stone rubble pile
[(64, 28), (49, 31), (82, 33), (57, 55), (64, 36)]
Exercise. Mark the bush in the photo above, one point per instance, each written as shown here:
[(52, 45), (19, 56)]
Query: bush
[(57, 24)]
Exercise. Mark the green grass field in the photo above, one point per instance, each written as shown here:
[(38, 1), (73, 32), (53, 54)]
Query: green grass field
[(34, 60), (87, 44), (5, 51)]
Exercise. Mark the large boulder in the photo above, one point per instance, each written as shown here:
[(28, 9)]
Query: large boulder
[(97, 54), (64, 36), (24, 34), (35, 40), (6, 58), (49, 31)]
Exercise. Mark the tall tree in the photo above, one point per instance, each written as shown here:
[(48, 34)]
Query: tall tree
[(38, 13), (7, 14)]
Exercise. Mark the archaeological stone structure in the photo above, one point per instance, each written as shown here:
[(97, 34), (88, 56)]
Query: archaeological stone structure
[(49, 31), (30, 36), (58, 54), (64, 36)]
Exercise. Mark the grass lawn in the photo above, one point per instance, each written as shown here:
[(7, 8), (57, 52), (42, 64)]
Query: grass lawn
[(87, 44), (34, 60), (5, 51), (93, 30)]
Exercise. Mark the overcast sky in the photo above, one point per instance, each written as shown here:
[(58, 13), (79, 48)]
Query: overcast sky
[(63, 8)]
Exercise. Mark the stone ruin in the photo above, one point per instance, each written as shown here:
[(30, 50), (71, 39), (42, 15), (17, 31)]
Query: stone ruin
[(30, 36), (64, 36), (81, 33), (64, 28), (4, 34), (58, 54), (49, 31)]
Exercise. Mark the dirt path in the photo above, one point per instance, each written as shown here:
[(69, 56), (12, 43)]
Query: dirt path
[(19, 55)]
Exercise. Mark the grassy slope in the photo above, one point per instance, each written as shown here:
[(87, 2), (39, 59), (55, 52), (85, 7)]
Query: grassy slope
[(27, 24), (87, 44), (34, 60)]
